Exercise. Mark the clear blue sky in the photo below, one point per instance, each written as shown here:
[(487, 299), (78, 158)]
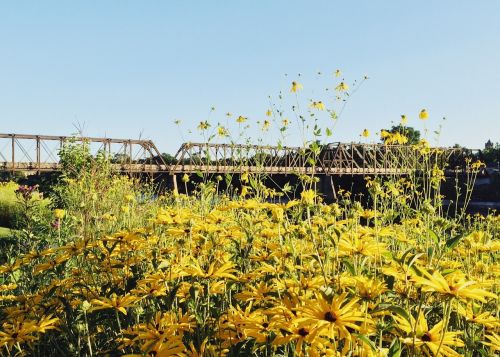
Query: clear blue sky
[(130, 68)]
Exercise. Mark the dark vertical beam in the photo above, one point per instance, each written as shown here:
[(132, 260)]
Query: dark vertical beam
[(13, 151), (130, 152), (38, 154)]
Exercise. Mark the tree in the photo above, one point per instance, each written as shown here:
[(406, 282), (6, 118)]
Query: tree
[(490, 155), (412, 134)]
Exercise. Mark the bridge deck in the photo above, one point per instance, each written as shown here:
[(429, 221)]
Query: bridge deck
[(209, 169), (40, 153)]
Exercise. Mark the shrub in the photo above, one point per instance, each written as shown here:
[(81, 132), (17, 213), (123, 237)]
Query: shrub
[(9, 209)]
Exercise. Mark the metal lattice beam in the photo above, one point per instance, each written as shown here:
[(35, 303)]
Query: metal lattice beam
[(40, 153)]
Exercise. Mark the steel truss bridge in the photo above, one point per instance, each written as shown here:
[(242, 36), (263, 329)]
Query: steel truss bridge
[(40, 153)]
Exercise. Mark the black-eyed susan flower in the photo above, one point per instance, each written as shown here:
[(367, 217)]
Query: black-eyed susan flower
[(295, 87), (436, 341), (336, 319), (119, 303), (204, 125), (342, 87), (453, 285), (241, 119), (222, 131), (317, 105)]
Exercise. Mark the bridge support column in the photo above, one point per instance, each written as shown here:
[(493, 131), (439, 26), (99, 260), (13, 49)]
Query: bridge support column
[(327, 188), (174, 181)]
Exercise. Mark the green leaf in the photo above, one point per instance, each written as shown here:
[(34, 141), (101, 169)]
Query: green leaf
[(389, 280), (414, 259), (452, 242), (366, 340), (328, 132), (403, 257), (433, 235), (399, 311), (394, 349), (349, 267)]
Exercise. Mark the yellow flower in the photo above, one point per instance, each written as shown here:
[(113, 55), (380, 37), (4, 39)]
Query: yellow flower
[(241, 119), (224, 271), (365, 133), (494, 341), (120, 303), (295, 87), (269, 113), (423, 114), (384, 134), (266, 125), (393, 138), (477, 165), (129, 198), (435, 341), (404, 120), (308, 196), (185, 178), (339, 318), (59, 213), (277, 213), (483, 318), (285, 122), (204, 125), (244, 191), (318, 105), (369, 289), (222, 131), (452, 285), (337, 73), (342, 87)]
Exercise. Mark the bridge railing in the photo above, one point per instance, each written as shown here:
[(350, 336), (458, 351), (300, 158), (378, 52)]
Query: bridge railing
[(232, 158), (22, 152), (334, 158)]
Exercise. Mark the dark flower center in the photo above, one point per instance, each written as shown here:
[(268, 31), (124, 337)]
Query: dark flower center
[(330, 317), (426, 337), (265, 325), (303, 332)]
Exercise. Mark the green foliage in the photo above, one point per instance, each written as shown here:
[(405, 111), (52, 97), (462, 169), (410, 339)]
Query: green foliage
[(76, 160), (490, 155), (5, 232), (9, 209), (93, 195)]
